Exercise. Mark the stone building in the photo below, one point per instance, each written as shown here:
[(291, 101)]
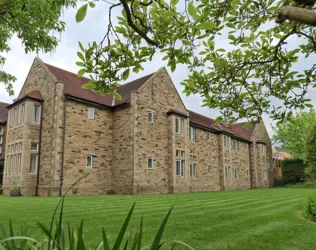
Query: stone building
[(148, 142)]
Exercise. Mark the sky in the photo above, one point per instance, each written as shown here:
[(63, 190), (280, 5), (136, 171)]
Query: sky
[(93, 28)]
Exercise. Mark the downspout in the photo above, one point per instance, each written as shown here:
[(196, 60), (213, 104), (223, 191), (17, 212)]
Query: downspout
[(39, 151), (63, 149)]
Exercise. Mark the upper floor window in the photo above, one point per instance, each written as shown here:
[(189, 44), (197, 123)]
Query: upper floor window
[(192, 134), (226, 141), (179, 126), (1, 135), (89, 161), (180, 162), (150, 117), (36, 113), (263, 149), (235, 145), (0, 149), (91, 112), (209, 136), (150, 163)]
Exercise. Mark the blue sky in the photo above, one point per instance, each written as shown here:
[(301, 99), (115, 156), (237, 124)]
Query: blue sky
[(93, 28)]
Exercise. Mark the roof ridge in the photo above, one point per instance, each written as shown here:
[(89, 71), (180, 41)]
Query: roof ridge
[(121, 85)]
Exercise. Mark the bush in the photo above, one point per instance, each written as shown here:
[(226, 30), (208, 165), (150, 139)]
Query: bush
[(308, 184), (293, 170), (310, 209), (278, 182)]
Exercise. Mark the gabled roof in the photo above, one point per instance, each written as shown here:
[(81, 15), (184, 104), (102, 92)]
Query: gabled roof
[(34, 95), (239, 128), (73, 87), (3, 112)]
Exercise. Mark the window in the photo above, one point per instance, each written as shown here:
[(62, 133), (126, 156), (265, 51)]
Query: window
[(150, 117), (180, 162), (192, 134), (235, 145), (20, 146), (0, 149), (209, 137), (150, 163), (16, 117), (226, 141), (19, 115), (36, 113), (91, 113), (34, 146), (179, 126), (227, 173), (34, 158), (22, 113), (263, 149), (193, 169), (209, 169), (1, 131), (19, 163), (89, 161), (33, 163)]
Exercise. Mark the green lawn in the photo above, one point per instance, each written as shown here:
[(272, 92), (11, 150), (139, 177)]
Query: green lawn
[(250, 219)]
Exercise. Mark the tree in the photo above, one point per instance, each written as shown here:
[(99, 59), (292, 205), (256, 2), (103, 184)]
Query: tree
[(258, 75), (34, 23), (310, 148), (293, 135)]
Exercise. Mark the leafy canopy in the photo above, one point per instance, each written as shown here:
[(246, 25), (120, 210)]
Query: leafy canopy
[(34, 23), (293, 135), (257, 75)]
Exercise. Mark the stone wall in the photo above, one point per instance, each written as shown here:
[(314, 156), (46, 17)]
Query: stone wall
[(123, 151), (207, 154), (158, 96), (86, 137), (4, 129)]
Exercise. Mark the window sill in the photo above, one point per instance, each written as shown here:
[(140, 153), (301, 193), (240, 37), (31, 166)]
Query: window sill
[(150, 168), (33, 174)]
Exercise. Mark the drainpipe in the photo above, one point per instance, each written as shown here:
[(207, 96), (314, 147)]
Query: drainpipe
[(39, 151), (63, 150)]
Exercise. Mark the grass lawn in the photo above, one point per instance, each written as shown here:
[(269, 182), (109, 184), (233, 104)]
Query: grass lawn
[(250, 219)]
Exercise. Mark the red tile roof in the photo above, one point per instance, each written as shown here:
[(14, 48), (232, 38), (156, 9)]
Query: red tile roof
[(35, 95), (73, 86), (3, 112)]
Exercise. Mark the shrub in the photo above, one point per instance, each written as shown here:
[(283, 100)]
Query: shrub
[(310, 209), (293, 170), (308, 184), (278, 182)]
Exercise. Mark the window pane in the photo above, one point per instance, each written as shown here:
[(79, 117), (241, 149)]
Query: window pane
[(91, 113), (178, 167), (177, 125), (89, 162), (182, 167), (182, 154), (36, 115), (150, 163), (182, 127), (22, 113), (33, 164), (34, 146), (150, 117), (1, 139)]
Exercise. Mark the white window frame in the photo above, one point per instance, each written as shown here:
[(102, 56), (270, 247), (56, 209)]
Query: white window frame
[(209, 137), (180, 159), (150, 159), (226, 141), (150, 117), (91, 113), (37, 118), (89, 156), (36, 163), (179, 125), (192, 134)]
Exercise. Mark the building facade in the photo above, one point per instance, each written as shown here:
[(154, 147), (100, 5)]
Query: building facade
[(148, 142)]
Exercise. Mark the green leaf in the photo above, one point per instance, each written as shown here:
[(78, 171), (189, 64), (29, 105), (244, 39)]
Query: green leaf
[(125, 74), (208, 25), (91, 5), (80, 64), (81, 72), (119, 238), (81, 13), (156, 244), (80, 46), (117, 96), (192, 10), (106, 245), (80, 55), (88, 85)]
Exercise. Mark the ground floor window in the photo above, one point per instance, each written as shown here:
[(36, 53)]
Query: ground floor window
[(227, 173), (89, 161), (193, 169), (150, 163), (180, 162)]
